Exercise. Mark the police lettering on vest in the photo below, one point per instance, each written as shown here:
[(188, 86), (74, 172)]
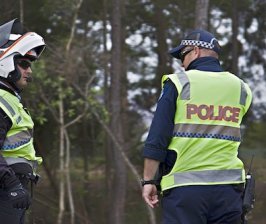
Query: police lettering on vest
[(211, 112)]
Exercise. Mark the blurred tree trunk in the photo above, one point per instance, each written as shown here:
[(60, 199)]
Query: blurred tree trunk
[(64, 153), (105, 55), (162, 48), (201, 14), (234, 37), (61, 160), (21, 11), (107, 141), (118, 173)]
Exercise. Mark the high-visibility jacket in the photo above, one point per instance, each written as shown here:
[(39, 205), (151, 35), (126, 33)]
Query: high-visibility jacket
[(209, 110), (19, 139)]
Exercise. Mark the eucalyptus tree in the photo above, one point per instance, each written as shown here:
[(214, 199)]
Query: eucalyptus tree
[(118, 172), (66, 68), (201, 14)]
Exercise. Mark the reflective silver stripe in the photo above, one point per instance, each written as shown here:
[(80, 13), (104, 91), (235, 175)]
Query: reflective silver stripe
[(183, 79), (207, 131), (19, 119), (244, 94), (208, 176), (7, 105), (11, 160), (17, 140)]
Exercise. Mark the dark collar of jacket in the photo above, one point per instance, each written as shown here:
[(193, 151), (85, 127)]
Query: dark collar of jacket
[(208, 64), (5, 87)]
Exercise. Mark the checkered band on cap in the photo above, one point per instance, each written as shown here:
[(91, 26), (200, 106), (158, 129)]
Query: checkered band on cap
[(199, 43)]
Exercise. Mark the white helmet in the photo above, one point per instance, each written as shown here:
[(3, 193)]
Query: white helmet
[(14, 43)]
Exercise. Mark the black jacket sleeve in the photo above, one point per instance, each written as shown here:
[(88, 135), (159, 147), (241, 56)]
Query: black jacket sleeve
[(5, 125)]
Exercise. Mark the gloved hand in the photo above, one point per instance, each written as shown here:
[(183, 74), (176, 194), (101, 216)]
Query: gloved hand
[(16, 193), (19, 197)]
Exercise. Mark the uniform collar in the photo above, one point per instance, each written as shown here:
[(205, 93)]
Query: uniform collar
[(7, 87), (208, 64)]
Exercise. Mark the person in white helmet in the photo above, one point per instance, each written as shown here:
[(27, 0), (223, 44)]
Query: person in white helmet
[(18, 49)]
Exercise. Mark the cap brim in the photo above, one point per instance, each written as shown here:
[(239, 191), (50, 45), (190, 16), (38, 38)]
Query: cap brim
[(175, 52)]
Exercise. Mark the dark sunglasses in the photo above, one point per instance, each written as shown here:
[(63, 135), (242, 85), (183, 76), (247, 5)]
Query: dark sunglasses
[(25, 64), (183, 54)]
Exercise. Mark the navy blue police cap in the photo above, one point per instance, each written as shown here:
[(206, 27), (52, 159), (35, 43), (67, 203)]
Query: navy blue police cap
[(200, 38)]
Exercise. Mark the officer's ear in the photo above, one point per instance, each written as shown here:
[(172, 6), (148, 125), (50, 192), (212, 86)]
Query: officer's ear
[(197, 51)]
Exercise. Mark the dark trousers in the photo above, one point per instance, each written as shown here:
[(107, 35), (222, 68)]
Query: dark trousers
[(8, 214), (218, 204)]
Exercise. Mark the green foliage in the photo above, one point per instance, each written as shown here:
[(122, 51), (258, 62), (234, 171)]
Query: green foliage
[(255, 135), (32, 95)]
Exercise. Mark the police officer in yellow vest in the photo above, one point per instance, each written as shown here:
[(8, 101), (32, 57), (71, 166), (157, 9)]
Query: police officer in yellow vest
[(195, 135), (18, 50)]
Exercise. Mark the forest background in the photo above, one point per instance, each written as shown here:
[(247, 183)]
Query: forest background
[(95, 90)]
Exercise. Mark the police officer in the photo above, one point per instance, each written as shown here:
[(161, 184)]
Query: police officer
[(17, 155), (195, 135)]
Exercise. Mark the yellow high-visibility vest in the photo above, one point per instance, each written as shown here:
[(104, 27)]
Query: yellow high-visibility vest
[(209, 110), (19, 139)]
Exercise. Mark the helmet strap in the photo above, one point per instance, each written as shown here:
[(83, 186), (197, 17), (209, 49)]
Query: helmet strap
[(14, 76)]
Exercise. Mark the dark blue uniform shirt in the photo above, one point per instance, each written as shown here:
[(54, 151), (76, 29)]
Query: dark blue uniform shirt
[(162, 126)]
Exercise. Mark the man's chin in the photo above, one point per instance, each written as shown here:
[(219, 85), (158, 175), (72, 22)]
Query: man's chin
[(21, 86)]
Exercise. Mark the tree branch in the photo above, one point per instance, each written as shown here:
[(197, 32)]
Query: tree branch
[(72, 33), (45, 100)]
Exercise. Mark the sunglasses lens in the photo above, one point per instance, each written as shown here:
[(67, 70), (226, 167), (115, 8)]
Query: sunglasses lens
[(24, 64), (184, 53)]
